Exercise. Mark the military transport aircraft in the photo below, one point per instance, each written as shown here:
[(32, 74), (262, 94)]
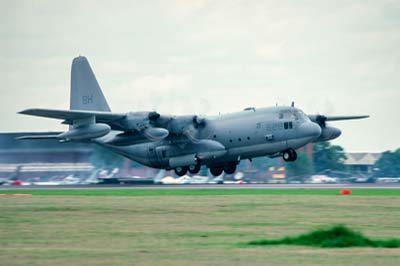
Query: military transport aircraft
[(184, 143)]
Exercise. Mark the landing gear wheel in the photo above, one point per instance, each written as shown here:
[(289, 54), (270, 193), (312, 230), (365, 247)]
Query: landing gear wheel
[(289, 155), (286, 156), (181, 171), (230, 169), (194, 169), (216, 171), (294, 155)]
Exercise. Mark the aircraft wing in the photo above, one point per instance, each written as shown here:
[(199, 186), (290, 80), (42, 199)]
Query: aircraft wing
[(69, 115), (324, 118), (150, 125), (135, 123), (337, 118)]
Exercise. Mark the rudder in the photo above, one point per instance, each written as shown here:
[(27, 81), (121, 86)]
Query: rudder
[(86, 93)]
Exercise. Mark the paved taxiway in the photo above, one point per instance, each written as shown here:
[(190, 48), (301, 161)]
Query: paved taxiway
[(214, 186)]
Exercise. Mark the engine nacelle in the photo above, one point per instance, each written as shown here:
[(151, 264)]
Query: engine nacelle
[(329, 133), (155, 133), (89, 131)]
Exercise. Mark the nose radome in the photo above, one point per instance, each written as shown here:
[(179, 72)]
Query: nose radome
[(336, 133)]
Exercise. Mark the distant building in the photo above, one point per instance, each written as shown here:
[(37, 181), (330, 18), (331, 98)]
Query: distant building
[(362, 161), (42, 158), (47, 158)]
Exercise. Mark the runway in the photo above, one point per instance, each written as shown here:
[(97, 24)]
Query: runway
[(215, 186)]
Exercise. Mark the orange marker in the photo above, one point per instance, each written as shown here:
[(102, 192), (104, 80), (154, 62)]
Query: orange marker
[(345, 191)]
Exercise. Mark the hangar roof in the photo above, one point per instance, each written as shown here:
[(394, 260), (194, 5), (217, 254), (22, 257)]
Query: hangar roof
[(362, 158)]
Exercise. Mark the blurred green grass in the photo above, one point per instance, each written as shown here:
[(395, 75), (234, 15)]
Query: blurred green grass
[(155, 227)]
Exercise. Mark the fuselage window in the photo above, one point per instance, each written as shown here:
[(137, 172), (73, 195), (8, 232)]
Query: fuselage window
[(230, 140), (248, 138), (287, 125), (239, 139)]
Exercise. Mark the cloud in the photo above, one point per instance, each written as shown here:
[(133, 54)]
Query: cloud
[(153, 92)]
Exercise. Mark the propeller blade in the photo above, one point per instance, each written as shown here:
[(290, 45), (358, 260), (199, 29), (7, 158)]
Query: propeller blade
[(153, 116), (190, 132), (199, 121)]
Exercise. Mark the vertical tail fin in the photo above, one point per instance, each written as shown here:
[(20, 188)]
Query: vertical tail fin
[(85, 91)]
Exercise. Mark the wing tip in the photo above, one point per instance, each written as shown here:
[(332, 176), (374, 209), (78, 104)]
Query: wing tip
[(26, 111)]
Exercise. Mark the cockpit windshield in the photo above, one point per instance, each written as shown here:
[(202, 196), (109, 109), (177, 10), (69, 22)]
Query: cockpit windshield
[(301, 115), (293, 115)]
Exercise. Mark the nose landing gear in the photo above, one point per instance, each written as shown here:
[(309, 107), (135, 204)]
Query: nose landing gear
[(289, 155)]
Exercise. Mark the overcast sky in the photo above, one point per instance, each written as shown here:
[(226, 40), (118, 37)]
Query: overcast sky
[(205, 57)]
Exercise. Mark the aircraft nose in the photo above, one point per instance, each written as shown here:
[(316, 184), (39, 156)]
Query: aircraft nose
[(311, 130)]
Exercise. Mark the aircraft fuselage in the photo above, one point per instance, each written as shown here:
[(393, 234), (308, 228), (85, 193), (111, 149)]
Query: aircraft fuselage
[(228, 138)]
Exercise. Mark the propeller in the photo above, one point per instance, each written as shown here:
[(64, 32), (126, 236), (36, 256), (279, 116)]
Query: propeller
[(191, 133), (321, 120), (153, 116), (191, 130), (142, 122)]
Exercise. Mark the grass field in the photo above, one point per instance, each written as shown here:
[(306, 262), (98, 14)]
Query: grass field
[(190, 227)]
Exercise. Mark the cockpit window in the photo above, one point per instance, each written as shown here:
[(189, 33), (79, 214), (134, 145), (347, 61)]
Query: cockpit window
[(288, 115), (293, 115), (302, 116)]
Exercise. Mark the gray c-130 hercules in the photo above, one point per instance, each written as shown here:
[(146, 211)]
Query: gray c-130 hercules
[(184, 143)]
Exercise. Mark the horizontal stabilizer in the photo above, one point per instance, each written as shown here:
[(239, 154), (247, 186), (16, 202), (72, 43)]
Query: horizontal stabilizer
[(70, 115), (37, 137)]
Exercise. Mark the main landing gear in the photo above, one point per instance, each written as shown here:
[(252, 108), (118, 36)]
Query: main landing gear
[(289, 155), (182, 170), (194, 169), (228, 169)]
